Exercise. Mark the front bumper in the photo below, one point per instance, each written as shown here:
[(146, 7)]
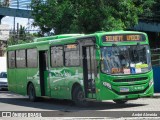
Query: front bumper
[(148, 93), (4, 86), (125, 87), (107, 94)]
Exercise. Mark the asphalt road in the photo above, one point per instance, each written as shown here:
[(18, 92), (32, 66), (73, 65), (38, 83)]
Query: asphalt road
[(63, 108)]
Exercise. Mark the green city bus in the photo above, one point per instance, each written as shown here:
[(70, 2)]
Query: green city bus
[(94, 67)]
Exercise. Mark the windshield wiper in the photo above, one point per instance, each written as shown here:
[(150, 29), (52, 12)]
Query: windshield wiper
[(123, 53)]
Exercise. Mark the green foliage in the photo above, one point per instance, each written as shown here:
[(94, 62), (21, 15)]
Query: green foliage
[(22, 33), (155, 14), (87, 16), (21, 37)]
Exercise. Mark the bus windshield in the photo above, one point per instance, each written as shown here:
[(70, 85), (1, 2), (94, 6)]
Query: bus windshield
[(132, 59)]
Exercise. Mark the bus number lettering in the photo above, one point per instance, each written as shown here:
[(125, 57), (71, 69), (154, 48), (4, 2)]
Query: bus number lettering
[(133, 37)]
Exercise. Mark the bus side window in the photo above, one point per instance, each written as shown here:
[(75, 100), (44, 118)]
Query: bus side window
[(20, 58), (72, 57), (57, 56), (32, 58), (11, 59)]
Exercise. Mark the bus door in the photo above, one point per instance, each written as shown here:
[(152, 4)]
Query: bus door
[(43, 73), (89, 68)]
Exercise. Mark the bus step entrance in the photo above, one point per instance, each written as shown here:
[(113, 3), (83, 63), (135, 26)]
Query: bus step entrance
[(93, 90), (91, 86), (88, 70)]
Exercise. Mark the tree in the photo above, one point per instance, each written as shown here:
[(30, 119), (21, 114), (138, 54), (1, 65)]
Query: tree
[(87, 16), (21, 36), (152, 14)]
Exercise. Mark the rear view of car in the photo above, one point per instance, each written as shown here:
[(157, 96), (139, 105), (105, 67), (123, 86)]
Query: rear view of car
[(3, 80)]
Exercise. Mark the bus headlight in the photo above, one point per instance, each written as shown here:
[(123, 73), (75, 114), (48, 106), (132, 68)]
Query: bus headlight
[(108, 85), (151, 82)]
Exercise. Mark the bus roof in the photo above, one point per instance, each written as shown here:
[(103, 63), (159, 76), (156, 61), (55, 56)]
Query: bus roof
[(66, 38), (55, 37), (119, 32)]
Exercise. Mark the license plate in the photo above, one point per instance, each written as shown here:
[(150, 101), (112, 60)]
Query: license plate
[(124, 89)]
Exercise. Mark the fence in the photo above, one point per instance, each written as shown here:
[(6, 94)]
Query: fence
[(155, 57)]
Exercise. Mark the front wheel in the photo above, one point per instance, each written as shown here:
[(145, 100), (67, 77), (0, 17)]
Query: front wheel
[(120, 101), (32, 93), (79, 97)]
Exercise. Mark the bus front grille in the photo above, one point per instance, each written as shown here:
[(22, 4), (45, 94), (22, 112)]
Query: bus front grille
[(130, 79)]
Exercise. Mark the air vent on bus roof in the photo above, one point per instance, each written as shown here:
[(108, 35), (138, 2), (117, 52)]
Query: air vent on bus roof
[(56, 37)]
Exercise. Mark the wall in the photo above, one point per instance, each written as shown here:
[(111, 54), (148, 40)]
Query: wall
[(3, 64)]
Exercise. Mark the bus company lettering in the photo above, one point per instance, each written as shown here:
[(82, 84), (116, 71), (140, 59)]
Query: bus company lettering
[(27, 114)]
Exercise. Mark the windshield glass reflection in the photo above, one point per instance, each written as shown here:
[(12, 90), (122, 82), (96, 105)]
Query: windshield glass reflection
[(126, 59)]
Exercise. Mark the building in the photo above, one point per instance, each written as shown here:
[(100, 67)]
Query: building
[(4, 36), (152, 29)]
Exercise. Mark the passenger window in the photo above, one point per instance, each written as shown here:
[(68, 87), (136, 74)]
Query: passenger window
[(72, 55), (21, 58), (57, 56), (11, 59), (32, 58)]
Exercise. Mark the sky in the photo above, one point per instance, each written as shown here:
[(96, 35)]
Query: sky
[(23, 4), (22, 21)]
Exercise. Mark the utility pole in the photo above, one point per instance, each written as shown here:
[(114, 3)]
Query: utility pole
[(17, 31), (14, 31), (14, 23)]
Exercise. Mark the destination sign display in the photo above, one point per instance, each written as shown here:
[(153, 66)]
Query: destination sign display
[(124, 37), (71, 47)]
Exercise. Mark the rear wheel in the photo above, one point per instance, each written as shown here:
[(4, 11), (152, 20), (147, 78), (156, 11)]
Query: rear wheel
[(120, 101), (79, 97), (32, 93)]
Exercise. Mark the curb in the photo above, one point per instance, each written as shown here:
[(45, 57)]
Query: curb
[(156, 95)]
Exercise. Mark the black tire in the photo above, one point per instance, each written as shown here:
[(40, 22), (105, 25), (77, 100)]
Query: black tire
[(120, 101), (31, 93), (79, 97)]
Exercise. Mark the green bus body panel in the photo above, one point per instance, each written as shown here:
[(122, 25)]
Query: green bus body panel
[(47, 83), (19, 78), (58, 82), (43, 47), (105, 93), (12, 83), (33, 77), (62, 80)]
